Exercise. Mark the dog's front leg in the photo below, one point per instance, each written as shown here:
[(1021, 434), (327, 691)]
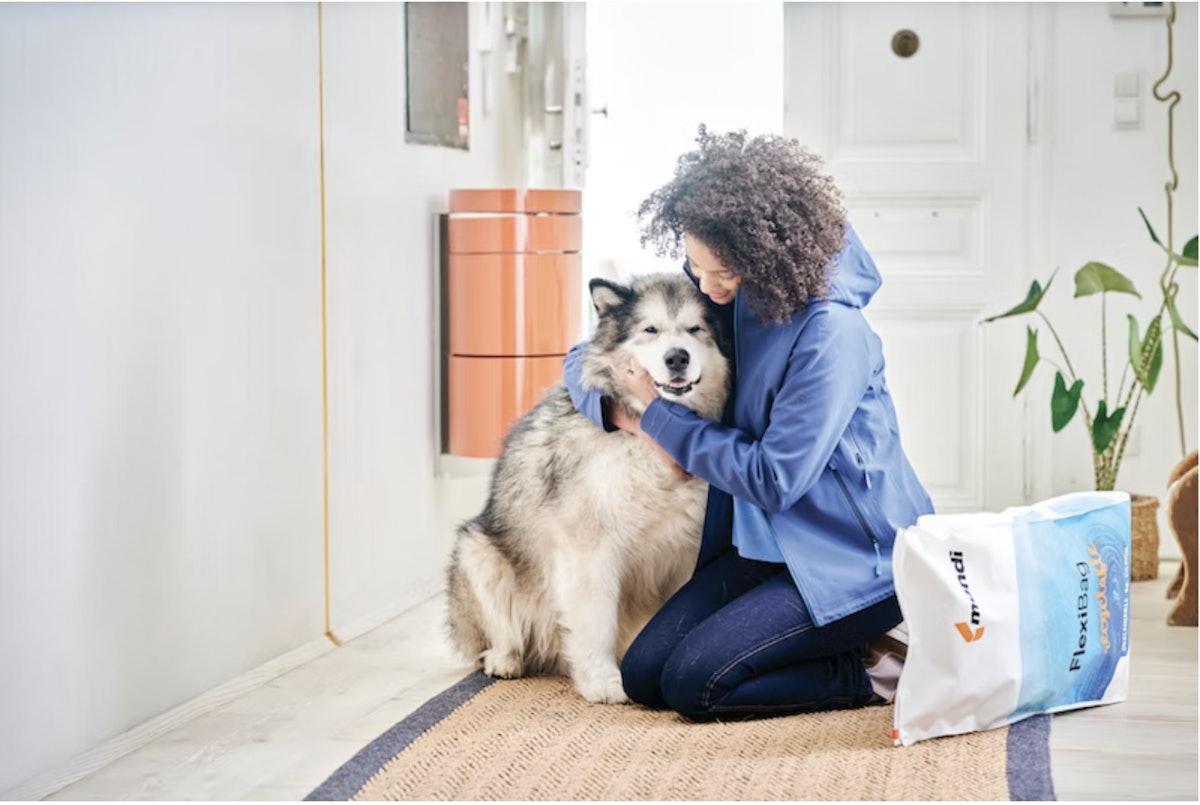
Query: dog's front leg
[(587, 589)]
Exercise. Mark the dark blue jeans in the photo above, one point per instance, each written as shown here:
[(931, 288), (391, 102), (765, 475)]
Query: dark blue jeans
[(737, 641)]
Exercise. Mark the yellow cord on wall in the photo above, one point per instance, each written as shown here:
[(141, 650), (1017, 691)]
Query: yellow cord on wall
[(324, 340)]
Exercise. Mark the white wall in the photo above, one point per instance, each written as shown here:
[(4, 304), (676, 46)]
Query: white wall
[(1099, 176), (160, 498), (382, 196), (160, 410)]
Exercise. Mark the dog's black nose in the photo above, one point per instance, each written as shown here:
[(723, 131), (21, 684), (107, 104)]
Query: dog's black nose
[(677, 360)]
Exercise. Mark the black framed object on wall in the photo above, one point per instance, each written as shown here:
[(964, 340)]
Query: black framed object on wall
[(436, 74)]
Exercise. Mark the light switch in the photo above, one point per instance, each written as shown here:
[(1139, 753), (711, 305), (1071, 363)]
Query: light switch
[(1138, 10), (1126, 85), (1125, 113)]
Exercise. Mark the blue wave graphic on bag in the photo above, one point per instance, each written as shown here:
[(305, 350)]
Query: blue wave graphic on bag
[(1073, 584)]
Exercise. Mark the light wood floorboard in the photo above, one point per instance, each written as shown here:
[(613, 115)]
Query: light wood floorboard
[(1145, 747)]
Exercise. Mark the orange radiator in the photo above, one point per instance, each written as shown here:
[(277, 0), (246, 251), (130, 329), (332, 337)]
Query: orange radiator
[(513, 307)]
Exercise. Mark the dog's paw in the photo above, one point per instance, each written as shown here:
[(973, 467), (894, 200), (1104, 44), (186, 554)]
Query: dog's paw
[(602, 689), (502, 664)]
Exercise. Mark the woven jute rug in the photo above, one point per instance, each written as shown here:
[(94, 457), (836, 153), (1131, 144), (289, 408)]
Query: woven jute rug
[(536, 739)]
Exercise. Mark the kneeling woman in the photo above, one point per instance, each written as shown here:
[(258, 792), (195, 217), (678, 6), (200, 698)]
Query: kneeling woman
[(808, 478)]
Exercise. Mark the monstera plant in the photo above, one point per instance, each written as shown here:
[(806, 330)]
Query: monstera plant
[(1110, 418)]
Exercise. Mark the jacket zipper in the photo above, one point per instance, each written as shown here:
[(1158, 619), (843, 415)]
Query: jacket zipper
[(858, 457), (862, 521)]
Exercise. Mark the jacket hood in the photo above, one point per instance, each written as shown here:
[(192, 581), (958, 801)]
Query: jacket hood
[(855, 278)]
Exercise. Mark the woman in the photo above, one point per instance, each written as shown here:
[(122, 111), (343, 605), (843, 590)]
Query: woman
[(808, 479)]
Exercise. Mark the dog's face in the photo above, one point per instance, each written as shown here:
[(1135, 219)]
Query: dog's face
[(662, 321)]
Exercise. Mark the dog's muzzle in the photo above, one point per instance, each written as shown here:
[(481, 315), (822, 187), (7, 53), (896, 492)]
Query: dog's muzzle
[(676, 361)]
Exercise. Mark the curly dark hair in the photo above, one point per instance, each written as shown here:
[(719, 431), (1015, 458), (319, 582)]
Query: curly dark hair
[(765, 208)]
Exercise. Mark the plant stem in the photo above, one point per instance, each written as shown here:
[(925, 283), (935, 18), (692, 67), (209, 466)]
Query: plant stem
[(1168, 277), (1124, 437), (1087, 414), (1124, 374), (1104, 342), (1178, 393), (1055, 365), (1061, 348)]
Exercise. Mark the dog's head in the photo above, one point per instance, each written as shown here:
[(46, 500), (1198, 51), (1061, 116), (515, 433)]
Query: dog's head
[(662, 321)]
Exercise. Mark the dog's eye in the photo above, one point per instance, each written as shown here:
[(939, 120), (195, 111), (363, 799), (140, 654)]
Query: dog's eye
[(652, 330), (694, 330)]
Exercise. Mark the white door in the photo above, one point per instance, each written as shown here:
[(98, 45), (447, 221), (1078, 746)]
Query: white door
[(659, 70), (555, 93), (931, 152)]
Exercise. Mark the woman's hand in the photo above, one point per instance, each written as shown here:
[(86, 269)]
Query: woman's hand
[(623, 419), (635, 379)]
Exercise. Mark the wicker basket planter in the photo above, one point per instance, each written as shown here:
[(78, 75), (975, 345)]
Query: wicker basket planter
[(1144, 536)]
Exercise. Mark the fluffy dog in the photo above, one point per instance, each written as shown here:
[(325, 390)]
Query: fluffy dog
[(585, 534)]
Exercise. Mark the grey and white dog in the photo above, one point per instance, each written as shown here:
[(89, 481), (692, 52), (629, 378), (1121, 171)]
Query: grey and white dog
[(585, 534)]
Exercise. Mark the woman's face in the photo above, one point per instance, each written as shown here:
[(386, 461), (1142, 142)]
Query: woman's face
[(717, 282)]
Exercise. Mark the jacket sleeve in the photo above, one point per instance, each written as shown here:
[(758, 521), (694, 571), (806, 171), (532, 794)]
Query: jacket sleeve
[(827, 373), (589, 402)]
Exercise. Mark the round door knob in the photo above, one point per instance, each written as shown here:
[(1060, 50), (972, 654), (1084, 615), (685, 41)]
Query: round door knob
[(905, 43)]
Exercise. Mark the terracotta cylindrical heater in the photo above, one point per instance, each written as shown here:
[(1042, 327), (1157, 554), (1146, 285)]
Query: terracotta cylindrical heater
[(514, 273)]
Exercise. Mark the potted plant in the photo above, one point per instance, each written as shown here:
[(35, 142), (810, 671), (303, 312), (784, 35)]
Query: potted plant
[(1109, 419)]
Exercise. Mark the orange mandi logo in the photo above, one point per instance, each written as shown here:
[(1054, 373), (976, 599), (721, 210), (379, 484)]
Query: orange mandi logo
[(967, 634)]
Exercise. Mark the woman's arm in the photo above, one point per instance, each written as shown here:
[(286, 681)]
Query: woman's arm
[(590, 402), (827, 373), (596, 407)]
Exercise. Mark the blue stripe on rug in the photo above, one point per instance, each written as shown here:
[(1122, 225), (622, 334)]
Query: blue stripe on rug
[(355, 772), (1028, 748), (1029, 760)]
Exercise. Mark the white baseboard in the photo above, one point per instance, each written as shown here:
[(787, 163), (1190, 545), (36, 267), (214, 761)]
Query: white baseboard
[(452, 467), (360, 626), (80, 766)]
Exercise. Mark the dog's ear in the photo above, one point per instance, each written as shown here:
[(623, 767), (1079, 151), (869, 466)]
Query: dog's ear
[(608, 295)]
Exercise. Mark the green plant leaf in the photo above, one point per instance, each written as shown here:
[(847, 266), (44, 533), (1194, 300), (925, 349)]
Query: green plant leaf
[(1176, 320), (1146, 221), (1156, 362), (1135, 346), (1063, 402), (1032, 299), (1188, 256), (1031, 358), (1096, 278), (1105, 427), (1147, 361)]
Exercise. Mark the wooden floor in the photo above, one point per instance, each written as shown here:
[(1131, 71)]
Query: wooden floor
[(281, 740), (1145, 747)]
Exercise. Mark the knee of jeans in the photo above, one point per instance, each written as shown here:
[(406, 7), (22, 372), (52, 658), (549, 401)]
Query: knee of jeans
[(639, 677), (686, 701), (686, 690)]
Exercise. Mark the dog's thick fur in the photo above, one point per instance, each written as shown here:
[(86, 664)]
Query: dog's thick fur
[(585, 534)]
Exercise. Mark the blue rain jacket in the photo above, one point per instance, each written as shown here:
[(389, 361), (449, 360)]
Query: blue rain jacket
[(810, 438)]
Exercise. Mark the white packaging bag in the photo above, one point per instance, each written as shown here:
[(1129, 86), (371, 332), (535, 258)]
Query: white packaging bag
[(1013, 614)]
